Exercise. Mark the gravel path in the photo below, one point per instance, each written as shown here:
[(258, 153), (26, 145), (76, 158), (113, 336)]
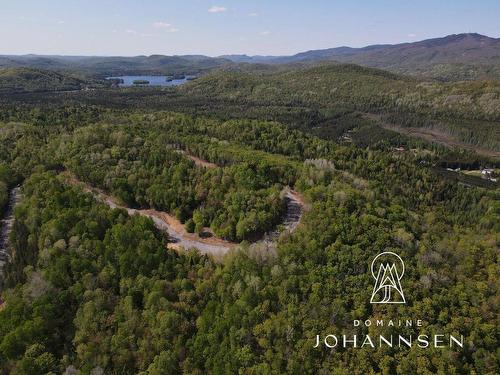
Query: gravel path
[(211, 245)]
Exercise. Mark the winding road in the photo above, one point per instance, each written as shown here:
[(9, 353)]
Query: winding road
[(181, 239)]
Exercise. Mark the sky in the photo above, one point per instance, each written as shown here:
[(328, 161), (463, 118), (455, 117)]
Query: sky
[(213, 28)]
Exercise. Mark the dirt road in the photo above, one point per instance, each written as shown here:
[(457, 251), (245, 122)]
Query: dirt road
[(176, 231)]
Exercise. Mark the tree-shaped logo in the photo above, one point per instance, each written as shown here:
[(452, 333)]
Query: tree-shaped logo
[(387, 270)]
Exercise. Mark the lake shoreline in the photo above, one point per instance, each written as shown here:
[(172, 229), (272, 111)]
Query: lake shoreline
[(149, 80)]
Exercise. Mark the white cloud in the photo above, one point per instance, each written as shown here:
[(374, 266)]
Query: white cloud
[(165, 26), (412, 35), (253, 14), (130, 31), (266, 32), (60, 22), (161, 25), (217, 9)]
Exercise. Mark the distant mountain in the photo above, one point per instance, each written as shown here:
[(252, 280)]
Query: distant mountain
[(454, 57), (104, 66), (457, 48), (249, 59), (463, 55)]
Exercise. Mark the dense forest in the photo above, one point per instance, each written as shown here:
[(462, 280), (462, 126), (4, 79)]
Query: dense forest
[(467, 111), (92, 289), (331, 101), (17, 80)]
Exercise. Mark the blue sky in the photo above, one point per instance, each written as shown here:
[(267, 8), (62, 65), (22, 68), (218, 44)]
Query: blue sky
[(144, 27)]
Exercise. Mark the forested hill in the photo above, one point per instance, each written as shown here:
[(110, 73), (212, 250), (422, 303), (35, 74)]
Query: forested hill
[(333, 101), (15, 80), (466, 112)]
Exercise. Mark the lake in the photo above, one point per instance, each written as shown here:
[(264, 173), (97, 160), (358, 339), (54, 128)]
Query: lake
[(153, 80)]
